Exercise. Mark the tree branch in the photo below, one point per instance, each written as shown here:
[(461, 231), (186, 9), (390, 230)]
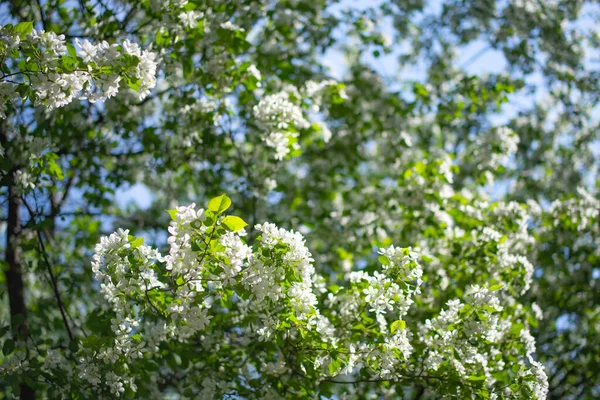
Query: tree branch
[(44, 254)]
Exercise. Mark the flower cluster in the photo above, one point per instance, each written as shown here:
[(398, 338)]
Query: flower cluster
[(280, 117), (215, 287), (494, 149), (50, 72), (581, 211)]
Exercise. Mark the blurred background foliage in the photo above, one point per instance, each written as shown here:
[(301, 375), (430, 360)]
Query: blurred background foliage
[(425, 80)]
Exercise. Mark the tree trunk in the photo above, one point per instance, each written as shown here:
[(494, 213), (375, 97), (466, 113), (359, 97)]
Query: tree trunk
[(14, 275)]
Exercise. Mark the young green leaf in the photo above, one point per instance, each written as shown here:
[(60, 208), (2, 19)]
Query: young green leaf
[(172, 214), (24, 27), (137, 242), (219, 204), (54, 169), (384, 260), (233, 223), (334, 366), (396, 325)]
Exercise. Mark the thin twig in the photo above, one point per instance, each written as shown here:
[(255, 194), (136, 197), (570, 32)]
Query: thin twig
[(52, 278)]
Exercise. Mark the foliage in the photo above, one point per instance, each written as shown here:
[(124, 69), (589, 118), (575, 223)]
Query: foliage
[(427, 237)]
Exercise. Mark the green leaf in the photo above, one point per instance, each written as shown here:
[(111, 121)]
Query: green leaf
[(16, 388), (134, 83), (24, 27), (384, 260), (173, 214), (233, 223), (477, 378), (465, 310), (481, 316), (326, 389), (333, 288), (496, 287), (152, 366), (8, 347), (91, 341), (162, 38), (137, 242), (54, 169), (396, 325), (106, 69), (4, 329), (71, 50), (219, 204), (334, 366)]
